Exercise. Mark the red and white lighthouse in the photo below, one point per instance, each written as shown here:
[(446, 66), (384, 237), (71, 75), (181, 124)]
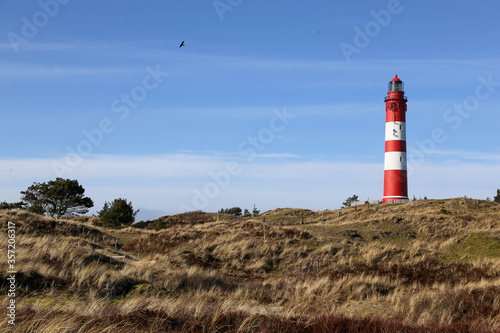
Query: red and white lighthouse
[(395, 173)]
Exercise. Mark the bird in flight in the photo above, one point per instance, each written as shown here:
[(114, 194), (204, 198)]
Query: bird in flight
[(182, 44)]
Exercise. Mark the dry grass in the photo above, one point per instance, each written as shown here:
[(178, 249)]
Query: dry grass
[(426, 266)]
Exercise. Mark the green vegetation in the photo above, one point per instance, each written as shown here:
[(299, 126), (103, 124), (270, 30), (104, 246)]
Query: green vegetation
[(496, 198), (477, 245), (349, 201), (14, 205), (160, 224), (117, 214), (445, 211), (236, 211), (56, 198), (255, 211)]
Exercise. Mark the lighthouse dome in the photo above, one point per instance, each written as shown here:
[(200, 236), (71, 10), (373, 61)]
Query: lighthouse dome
[(396, 84)]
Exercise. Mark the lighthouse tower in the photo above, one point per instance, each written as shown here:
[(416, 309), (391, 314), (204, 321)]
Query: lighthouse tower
[(395, 181)]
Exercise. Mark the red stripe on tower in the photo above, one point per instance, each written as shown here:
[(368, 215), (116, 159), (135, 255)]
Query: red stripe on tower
[(395, 173)]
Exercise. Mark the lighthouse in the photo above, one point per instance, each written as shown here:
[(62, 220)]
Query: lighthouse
[(395, 172)]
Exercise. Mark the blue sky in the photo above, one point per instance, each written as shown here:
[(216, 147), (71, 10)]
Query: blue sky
[(272, 103)]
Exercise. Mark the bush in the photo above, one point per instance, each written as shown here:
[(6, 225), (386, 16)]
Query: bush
[(15, 205), (496, 198), (445, 211), (118, 214), (236, 211), (350, 200), (160, 224)]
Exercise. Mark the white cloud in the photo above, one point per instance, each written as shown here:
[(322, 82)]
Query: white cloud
[(37, 46), (468, 155), (165, 182), (45, 70), (446, 180)]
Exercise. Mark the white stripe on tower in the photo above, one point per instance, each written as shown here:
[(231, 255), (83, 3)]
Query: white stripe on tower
[(395, 160), (395, 130)]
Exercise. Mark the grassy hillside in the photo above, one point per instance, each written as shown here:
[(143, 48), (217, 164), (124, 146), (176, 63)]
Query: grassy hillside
[(425, 266)]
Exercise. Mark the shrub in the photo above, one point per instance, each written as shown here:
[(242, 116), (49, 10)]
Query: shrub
[(350, 200), (160, 224), (233, 211), (445, 211), (14, 205), (118, 214)]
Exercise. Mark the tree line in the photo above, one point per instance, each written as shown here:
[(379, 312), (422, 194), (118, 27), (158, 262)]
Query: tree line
[(65, 197), (236, 211)]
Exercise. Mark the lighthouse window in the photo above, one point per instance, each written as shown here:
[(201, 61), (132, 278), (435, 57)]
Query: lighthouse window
[(400, 127), (401, 158), (400, 143), (395, 86)]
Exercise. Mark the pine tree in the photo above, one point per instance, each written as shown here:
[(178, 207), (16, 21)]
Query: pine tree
[(56, 198), (117, 214), (350, 200)]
